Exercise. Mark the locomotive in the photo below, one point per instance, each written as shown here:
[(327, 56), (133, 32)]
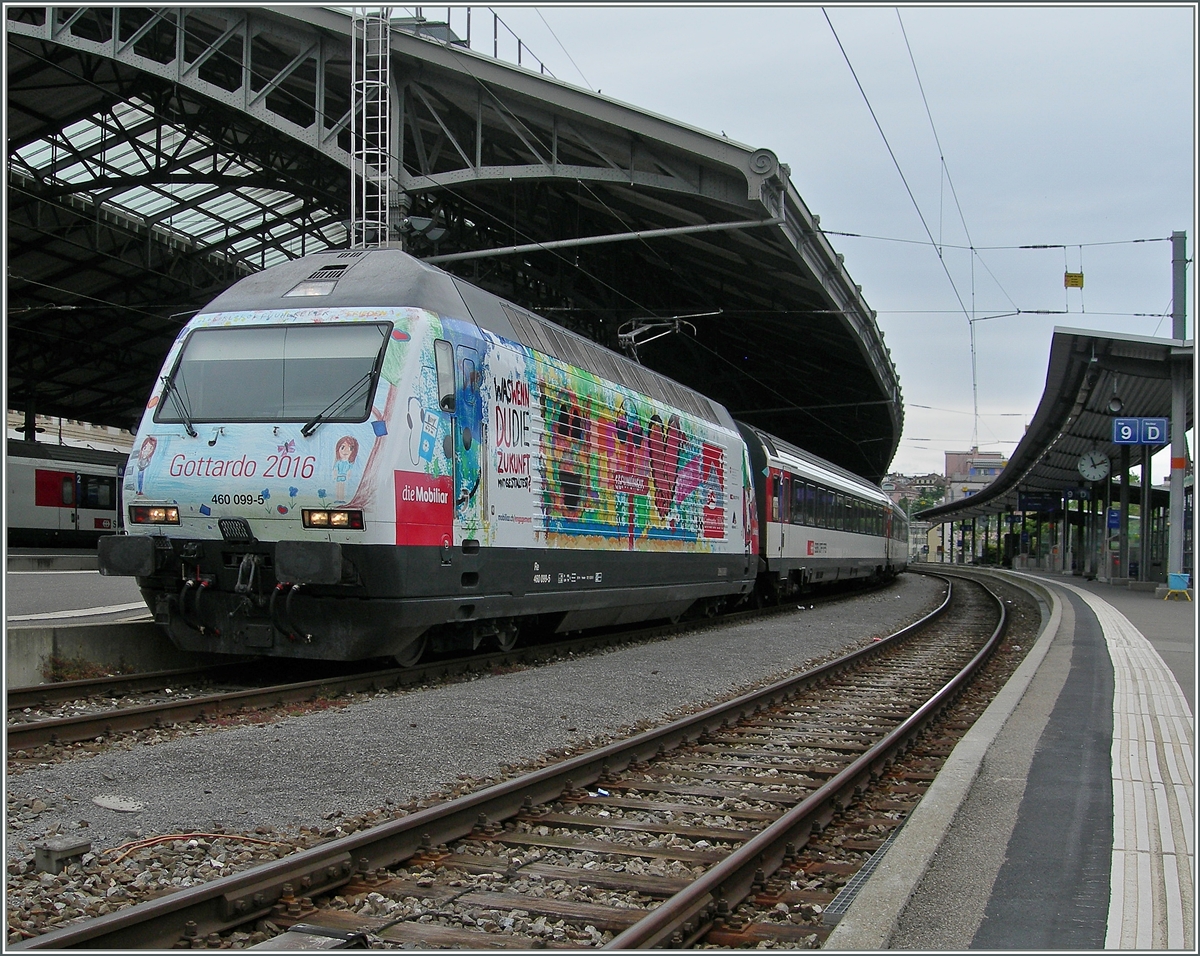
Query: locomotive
[(354, 452)]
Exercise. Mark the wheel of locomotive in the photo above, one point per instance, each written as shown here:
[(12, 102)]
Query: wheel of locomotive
[(506, 637), (413, 653)]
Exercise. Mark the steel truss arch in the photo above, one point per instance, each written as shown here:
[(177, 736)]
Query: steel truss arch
[(191, 145)]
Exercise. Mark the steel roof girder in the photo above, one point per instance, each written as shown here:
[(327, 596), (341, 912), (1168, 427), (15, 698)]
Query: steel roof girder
[(426, 183), (242, 99), (553, 95), (278, 79)]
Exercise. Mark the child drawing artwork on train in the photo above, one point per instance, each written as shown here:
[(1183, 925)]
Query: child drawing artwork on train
[(344, 456), (145, 453)]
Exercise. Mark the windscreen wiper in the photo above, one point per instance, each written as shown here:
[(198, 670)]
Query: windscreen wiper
[(180, 404), (335, 406)]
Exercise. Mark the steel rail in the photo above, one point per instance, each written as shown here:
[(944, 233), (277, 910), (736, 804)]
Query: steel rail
[(62, 730), (228, 902), (59, 692), (731, 880)]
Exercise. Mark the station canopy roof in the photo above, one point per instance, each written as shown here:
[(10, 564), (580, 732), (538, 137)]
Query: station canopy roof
[(1087, 372), (141, 183)]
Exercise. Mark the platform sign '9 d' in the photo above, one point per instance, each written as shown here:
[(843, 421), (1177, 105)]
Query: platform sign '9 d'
[(1140, 431)]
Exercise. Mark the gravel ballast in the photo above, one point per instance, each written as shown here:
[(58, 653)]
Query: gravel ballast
[(399, 746)]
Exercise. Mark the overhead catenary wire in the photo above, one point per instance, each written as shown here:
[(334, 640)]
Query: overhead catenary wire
[(1036, 245), (565, 50), (912, 198)]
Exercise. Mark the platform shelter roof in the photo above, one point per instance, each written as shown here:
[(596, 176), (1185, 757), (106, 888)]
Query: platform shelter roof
[(1089, 375)]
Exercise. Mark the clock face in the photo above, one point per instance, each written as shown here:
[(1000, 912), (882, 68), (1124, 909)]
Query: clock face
[(1094, 466)]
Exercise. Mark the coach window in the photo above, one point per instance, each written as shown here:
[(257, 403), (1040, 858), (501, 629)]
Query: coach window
[(97, 492), (797, 501)]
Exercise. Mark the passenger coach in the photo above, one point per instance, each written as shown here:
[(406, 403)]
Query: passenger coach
[(820, 522)]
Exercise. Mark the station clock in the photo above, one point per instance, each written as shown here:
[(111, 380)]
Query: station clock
[(1094, 465)]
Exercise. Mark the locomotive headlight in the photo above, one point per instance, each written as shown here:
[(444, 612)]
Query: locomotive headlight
[(153, 514), (343, 518), (316, 519)]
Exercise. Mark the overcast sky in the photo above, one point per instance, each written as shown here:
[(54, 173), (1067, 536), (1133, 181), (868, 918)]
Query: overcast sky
[(1066, 125)]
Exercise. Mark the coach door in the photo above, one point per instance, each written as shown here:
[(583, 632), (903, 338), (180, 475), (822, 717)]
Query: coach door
[(95, 503), (54, 499), (776, 520)]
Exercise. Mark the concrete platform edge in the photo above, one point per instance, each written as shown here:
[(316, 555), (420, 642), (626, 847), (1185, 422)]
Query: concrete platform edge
[(87, 561), (875, 912)]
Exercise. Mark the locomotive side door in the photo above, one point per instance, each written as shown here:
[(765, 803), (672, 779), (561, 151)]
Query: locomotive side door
[(470, 443)]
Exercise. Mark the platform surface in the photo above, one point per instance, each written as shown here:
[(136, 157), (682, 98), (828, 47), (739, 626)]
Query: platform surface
[(1065, 818)]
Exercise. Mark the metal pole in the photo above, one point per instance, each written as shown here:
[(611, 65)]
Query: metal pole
[(1180, 386), (1123, 552), (1144, 519), (609, 237), (30, 426), (1037, 536), (1105, 550)]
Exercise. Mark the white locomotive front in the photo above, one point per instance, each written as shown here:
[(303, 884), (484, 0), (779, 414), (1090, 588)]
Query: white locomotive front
[(349, 452)]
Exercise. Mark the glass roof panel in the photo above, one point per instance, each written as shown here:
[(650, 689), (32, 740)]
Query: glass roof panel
[(96, 153)]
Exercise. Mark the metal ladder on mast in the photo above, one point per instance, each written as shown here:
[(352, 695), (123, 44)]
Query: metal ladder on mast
[(370, 128)]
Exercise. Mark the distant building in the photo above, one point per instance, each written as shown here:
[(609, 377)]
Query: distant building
[(912, 494), (65, 431), (968, 472)]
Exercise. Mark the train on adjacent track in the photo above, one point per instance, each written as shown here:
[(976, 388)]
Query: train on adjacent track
[(61, 495), (354, 453)]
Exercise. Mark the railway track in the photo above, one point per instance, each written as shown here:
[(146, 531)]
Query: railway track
[(675, 837), (105, 706)]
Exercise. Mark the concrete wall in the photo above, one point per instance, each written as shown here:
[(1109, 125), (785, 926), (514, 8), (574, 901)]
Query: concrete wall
[(142, 646)]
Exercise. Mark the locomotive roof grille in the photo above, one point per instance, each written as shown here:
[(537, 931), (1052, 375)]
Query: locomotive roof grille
[(604, 363), (335, 271)]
